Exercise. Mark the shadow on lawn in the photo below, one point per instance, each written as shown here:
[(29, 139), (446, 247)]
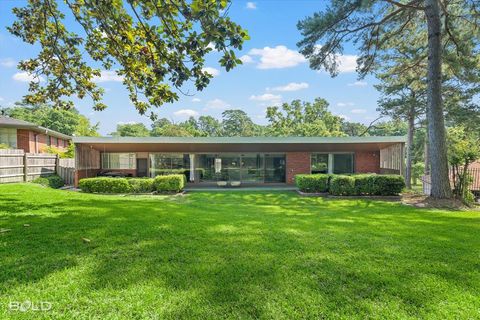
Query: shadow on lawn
[(244, 252)]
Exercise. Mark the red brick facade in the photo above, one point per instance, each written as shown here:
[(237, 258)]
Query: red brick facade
[(367, 162), (34, 142), (297, 163)]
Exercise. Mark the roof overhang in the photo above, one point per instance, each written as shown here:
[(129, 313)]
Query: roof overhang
[(238, 144)]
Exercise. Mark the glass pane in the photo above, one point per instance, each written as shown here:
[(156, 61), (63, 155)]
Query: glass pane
[(252, 167), (164, 163), (231, 167), (319, 163), (343, 163), (274, 168)]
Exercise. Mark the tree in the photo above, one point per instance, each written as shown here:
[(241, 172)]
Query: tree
[(69, 122), (372, 24), (154, 46), (131, 130), (210, 126), (236, 123), (304, 119), (463, 149)]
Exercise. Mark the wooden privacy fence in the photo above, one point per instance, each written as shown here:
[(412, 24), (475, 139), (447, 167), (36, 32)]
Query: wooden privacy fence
[(18, 166)]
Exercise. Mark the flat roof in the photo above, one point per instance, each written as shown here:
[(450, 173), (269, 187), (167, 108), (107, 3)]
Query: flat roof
[(239, 140), (8, 122)]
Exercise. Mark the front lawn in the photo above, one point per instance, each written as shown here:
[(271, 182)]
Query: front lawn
[(234, 255)]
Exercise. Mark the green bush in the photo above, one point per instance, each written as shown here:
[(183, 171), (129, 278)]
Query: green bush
[(105, 185), (388, 185), (169, 183), (52, 181), (312, 183), (141, 185), (364, 184), (342, 185)]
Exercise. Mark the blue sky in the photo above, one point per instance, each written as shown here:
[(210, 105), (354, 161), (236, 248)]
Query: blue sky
[(273, 72)]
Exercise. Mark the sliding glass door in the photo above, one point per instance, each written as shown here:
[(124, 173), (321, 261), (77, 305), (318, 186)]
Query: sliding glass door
[(247, 167)]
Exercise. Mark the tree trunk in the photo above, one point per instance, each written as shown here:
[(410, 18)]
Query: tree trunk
[(411, 132), (436, 124)]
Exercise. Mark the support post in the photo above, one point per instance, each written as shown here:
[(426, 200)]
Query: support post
[(25, 167)]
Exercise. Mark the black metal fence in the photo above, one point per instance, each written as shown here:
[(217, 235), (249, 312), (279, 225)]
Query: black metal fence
[(474, 173)]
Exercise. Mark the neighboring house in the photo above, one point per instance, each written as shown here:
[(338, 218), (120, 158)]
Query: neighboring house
[(32, 138), (255, 160)]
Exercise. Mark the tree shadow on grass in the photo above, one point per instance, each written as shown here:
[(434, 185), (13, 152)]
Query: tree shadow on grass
[(252, 254)]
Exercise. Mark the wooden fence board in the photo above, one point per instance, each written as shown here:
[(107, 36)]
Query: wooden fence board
[(17, 166)]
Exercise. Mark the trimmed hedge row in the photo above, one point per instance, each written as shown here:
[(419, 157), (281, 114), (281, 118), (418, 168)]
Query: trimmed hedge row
[(362, 184), (168, 183), (52, 181), (312, 183)]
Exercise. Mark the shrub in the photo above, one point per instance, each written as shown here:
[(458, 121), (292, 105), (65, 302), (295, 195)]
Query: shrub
[(342, 185), (365, 184), (141, 185), (312, 182), (169, 183), (388, 185), (52, 181), (105, 185)]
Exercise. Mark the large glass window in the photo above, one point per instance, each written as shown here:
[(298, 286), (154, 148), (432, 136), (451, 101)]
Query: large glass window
[(166, 162), (343, 163), (8, 136), (332, 163), (248, 167), (319, 163), (118, 161)]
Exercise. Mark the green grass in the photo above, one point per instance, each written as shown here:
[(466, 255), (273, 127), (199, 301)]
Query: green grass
[(234, 255)]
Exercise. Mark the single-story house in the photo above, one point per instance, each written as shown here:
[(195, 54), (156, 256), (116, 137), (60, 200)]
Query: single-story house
[(250, 160), (32, 138)]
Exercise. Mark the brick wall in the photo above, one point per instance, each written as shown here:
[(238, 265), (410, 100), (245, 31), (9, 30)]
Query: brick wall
[(297, 163), (367, 162), (23, 140)]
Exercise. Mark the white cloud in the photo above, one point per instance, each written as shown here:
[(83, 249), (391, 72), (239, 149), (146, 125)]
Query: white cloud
[(214, 72), (347, 63), (186, 113), (217, 104), (292, 86), (345, 104), (358, 111), (251, 5), (246, 59), (277, 58), (270, 98), (26, 77), (344, 117), (127, 122), (1, 99), (211, 45), (108, 76), (358, 84), (7, 62), (196, 100)]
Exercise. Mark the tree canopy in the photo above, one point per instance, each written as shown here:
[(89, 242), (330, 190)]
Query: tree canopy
[(69, 122), (155, 46)]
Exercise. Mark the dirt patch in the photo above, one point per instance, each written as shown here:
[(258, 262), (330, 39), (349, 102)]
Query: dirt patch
[(423, 201)]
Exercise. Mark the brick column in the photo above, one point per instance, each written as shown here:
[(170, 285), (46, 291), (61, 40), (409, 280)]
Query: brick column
[(297, 163), (367, 162)]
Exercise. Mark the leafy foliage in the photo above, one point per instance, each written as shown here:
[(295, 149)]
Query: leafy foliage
[(463, 149), (154, 46), (169, 183), (53, 181), (342, 185), (304, 119), (105, 185), (312, 183), (131, 130), (69, 122), (141, 185)]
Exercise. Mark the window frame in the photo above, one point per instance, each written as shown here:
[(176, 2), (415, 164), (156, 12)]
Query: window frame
[(331, 163), (106, 157)]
